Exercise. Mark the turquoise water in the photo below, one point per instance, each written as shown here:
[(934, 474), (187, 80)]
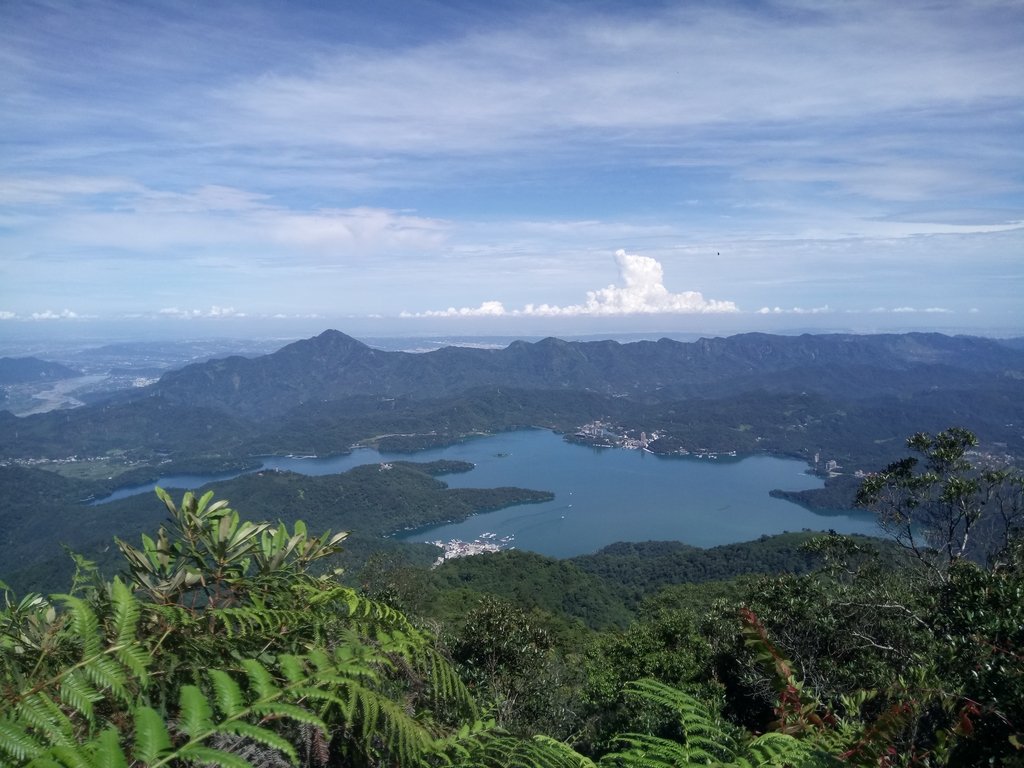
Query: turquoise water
[(605, 495), (602, 495)]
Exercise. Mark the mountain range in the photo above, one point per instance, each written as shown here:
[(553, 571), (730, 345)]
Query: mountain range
[(854, 397), (333, 366)]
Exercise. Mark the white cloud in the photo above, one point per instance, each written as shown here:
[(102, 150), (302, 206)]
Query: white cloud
[(363, 227), (486, 309), (48, 314), (51, 189), (231, 223), (5, 315), (643, 293), (827, 150), (928, 310), (793, 311), (188, 314), (646, 75)]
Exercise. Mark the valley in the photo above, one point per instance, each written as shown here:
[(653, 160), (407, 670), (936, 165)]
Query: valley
[(839, 405), (610, 508)]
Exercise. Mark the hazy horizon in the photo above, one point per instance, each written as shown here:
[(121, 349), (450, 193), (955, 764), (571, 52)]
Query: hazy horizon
[(47, 339)]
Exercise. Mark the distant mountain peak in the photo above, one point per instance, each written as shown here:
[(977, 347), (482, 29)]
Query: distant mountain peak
[(332, 336), (331, 343)]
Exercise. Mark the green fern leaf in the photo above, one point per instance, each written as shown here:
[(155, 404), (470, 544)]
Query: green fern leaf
[(107, 751), (78, 693), (195, 712), (229, 695), (40, 713), (292, 668), (84, 624), (72, 756), (152, 740), (491, 751), (136, 659), (15, 742), (260, 679), (126, 612), (44, 762), (657, 751), (280, 709), (105, 673), (263, 736), (207, 756)]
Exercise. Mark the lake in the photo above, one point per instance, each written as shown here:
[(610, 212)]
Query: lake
[(602, 495)]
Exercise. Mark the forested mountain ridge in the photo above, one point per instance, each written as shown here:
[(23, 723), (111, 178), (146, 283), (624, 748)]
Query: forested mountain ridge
[(851, 398), (22, 370), (332, 366)]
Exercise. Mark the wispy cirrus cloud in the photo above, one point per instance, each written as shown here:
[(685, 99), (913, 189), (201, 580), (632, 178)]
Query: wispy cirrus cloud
[(152, 219), (361, 160)]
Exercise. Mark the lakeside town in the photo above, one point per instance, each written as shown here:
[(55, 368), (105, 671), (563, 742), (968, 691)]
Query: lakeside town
[(485, 542), (601, 434)]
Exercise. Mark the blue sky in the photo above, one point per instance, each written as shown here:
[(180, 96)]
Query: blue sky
[(406, 167)]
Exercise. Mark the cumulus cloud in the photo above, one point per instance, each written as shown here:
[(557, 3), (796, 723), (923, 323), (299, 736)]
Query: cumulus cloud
[(643, 292), (5, 315), (486, 309)]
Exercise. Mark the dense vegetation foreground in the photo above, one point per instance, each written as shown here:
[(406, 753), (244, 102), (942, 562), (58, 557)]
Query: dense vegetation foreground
[(232, 643)]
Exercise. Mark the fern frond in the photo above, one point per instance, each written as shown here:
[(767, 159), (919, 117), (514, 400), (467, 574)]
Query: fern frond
[(152, 741), (69, 756), (499, 751), (196, 713), (16, 742), (40, 713), (84, 623), (292, 667), (239, 622), (105, 673), (388, 720), (260, 680), (227, 691), (135, 659), (44, 762), (107, 751), (779, 749), (208, 756), (126, 612), (77, 692), (279, 709), (703, 733), (646, 750), (262, 736), (445, 682)]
